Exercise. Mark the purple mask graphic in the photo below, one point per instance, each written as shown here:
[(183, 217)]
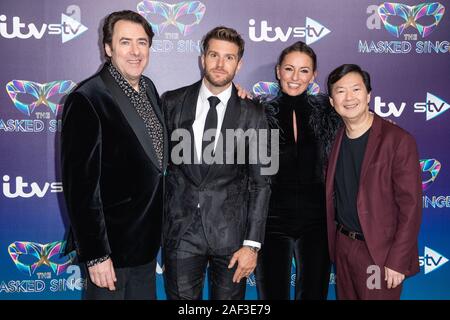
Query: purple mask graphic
[(38, 254), (183, 15), (48, 94), (411, 16), (430, 167)]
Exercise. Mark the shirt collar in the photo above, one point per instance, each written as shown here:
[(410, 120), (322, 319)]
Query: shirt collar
[(123, 83), (224, 96)]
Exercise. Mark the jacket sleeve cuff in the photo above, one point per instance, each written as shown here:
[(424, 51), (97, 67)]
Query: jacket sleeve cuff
[(94, 262)]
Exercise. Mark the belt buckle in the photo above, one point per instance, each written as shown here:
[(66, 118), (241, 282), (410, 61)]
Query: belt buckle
[(352, 234)]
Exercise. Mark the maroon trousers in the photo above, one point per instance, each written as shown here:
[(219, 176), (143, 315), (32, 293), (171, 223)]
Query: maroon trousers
[(356, 273)]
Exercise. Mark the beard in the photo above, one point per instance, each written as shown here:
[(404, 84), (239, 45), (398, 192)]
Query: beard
[(219, 83)]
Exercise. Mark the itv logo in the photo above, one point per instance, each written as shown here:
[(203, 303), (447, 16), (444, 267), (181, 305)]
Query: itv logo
[(28, 190), (432, 107), (69, 28), (312, 32), (386, 109)]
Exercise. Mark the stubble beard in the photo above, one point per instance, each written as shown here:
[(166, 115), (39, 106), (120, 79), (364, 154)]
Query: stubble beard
[(220, 83)]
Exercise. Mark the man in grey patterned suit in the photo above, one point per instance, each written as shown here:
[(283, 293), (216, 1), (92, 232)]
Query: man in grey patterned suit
[(215, 213)]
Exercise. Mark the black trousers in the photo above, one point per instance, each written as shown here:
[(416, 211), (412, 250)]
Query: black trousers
[(133, 283), (185, 269), (310, 251)]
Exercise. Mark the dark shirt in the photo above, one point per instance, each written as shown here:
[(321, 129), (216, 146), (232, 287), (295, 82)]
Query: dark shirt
[(298, 198), (346, 181)]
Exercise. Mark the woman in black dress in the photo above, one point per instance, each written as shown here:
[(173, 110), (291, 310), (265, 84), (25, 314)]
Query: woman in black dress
[(296, 223)]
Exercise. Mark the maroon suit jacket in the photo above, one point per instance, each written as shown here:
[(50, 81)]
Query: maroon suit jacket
[(389, 198)]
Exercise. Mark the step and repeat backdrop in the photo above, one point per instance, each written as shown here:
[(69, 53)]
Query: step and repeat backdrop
[(47, 47)]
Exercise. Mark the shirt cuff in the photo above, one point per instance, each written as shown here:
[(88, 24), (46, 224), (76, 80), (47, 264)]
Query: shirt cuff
[(94, 262), (252, 244)]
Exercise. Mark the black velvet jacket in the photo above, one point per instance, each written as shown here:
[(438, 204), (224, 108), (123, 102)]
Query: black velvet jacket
[(113, 185), (298, 192), (232, 198)]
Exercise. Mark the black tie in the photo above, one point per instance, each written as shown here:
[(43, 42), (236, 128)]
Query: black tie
[(210, 123)]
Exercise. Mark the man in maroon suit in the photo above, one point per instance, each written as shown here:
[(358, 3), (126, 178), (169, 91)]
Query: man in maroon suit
[(374, 193)]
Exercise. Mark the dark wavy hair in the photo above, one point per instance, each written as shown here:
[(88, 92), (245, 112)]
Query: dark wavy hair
[(345, 69), (226, 34), (302, 47), (128, 15)]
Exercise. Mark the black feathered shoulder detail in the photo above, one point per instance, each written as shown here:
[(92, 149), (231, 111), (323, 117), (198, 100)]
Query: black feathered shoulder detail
[(325, 122), (271, 109)]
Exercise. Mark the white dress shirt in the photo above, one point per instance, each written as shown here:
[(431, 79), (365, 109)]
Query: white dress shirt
[(202, 111), (198, 125)]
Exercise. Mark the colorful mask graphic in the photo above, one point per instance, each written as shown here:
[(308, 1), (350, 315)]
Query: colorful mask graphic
[(266, 89), (411, 15), (40, 255), (313, 89), (431, 167), (41, 92), (183, 15)]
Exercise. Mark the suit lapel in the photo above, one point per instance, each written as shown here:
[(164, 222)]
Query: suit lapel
[(187, 117), (331, 171), (232, 112), (134, 120), (371, 148), (189, 107)]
